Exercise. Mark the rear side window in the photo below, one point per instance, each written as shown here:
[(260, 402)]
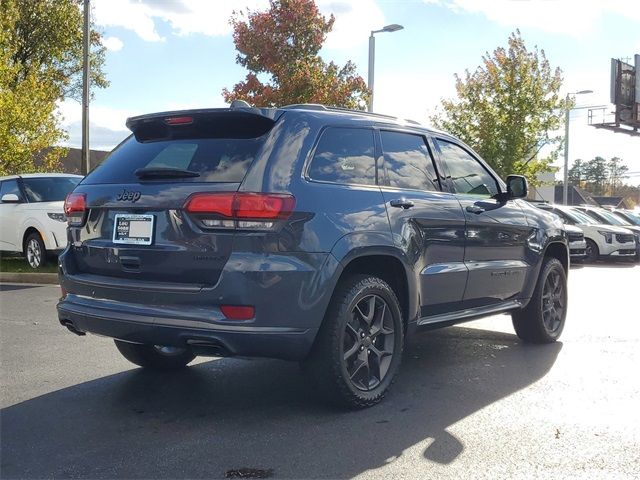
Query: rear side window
[(219, 147), (407, 161), (467, 174), (344, 155), (52, 189)]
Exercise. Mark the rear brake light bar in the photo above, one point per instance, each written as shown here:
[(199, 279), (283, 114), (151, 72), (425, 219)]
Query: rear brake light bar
[(75, 208), (243, 210), (178, 120)]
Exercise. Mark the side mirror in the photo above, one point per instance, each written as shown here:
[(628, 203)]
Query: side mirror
[(10, 198), (517, 186)]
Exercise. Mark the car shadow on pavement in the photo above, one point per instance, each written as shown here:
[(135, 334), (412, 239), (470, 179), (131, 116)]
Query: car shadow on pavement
[(230, 414)]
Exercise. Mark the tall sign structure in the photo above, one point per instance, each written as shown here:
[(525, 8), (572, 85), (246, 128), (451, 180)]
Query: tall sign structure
[(625, 95)]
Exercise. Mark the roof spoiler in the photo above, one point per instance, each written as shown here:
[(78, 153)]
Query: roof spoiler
[(239, 107)]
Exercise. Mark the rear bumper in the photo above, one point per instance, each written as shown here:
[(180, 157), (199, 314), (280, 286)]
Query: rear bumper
[(290, 293), (123, 322)]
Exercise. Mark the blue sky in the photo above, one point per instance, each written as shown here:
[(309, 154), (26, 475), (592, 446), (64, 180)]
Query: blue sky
[(172, 54)]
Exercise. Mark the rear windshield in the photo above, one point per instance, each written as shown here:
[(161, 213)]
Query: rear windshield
[(215, 159), (51, 189), (219, 146)]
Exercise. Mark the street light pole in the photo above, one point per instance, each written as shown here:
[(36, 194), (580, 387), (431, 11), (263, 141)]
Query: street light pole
[(85, 166), (565, 183), (372, 56), (394, 27)]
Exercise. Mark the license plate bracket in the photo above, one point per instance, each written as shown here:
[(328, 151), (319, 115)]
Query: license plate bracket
[(133, 229)]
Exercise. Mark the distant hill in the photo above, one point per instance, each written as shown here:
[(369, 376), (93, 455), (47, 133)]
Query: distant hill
[(72, 162)]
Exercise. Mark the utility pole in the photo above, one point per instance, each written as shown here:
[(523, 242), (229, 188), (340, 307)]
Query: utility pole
[(372, 56), (394, 27), (567, 118), (85, 166)]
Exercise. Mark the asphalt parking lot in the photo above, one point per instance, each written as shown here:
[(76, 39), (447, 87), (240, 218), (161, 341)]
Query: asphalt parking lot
[(471, 402)]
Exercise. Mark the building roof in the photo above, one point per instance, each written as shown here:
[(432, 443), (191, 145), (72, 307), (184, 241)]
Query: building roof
[(617, 202), (575, 196)]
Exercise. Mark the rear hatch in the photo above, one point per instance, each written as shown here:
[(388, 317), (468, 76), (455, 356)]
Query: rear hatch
[(128, 217)]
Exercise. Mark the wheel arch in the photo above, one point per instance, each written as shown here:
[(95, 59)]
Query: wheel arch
[(28, 231), (560, 251), (381, 259)]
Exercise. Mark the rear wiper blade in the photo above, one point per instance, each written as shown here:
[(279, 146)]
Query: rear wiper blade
[(164, 173)]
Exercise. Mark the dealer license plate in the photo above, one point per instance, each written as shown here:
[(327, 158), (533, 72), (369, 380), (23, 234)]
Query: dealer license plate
[(133, 229)]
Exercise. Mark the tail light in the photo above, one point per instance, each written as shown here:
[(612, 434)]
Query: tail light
[(241, 210), (75, 208)]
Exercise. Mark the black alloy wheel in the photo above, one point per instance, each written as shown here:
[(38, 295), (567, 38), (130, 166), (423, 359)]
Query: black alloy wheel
[(369, 340), (358, 349), (553, 302)]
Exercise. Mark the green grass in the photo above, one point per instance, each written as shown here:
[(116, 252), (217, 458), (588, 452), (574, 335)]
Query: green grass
[(20, 265)]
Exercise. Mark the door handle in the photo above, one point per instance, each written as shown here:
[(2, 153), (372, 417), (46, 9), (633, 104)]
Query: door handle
[(474, 209), (401, 203)]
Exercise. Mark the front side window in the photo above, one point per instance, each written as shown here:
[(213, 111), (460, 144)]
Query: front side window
[(578, 217), (467, 175), (407, 161), (10, 186), (344, 155)]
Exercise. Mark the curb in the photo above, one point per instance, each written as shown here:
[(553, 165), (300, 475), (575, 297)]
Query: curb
[(42, 278)]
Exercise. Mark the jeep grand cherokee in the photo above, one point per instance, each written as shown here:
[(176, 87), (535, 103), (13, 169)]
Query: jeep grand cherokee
[(304, 233)]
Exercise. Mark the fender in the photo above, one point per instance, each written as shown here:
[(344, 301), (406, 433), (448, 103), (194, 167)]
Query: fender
[(366, 244), (550, 239), (31, 222)]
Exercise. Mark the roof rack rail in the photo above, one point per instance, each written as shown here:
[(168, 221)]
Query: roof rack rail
[(317, 106), (305, 106)]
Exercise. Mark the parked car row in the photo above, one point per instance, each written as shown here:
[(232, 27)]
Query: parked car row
[(606, 234)]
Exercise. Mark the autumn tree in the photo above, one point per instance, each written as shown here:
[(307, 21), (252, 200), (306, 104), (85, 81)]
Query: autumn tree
[(576, 172), (280, 49), (509, 110), (40, 64), (596, 175), (617, 170)]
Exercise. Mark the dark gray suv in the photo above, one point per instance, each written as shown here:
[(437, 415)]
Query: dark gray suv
[(304, 233)]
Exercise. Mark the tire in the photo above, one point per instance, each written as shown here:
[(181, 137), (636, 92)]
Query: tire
[(543, 319), (34, 251), (153, 356), (358, 349), (592, 252)]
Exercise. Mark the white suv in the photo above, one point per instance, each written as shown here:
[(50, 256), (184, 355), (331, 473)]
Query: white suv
[(32, 215), (602, 240)]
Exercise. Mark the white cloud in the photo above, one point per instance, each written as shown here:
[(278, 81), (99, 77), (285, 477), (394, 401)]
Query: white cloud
[(354, 21), (411, 96), (184, 17), (573, 17), (113, 43), (354, 18), (126, 14)]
